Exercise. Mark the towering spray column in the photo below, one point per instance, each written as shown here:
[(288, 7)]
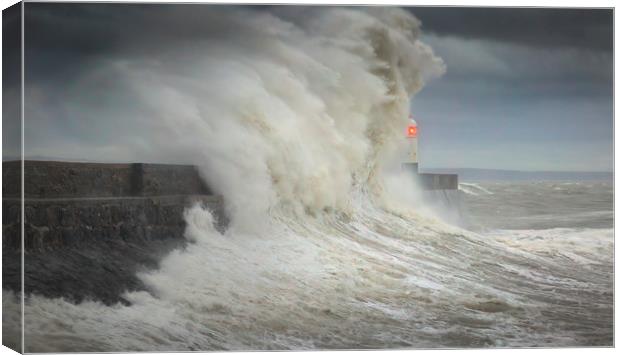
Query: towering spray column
[(412, 137)]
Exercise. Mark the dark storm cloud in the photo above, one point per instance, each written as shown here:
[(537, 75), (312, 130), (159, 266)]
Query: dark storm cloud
[(68, 36), (506, 69), (99, 28), (536, 27), (518, 67), (61, 39), (11, 77), (11, 42)]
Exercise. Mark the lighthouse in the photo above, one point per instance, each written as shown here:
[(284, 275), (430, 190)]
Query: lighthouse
[(427, 181), (438, 191), (412, 139)]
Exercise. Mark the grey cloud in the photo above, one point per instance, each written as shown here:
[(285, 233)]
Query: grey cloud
[(535, 27), (513, 69)]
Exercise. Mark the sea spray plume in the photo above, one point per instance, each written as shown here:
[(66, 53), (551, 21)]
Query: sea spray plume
[(288, 116), (385, 45), (278, 111)]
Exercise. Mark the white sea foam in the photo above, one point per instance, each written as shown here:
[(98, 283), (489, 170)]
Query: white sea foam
[(474, 189), (467, 190), (581, 245)]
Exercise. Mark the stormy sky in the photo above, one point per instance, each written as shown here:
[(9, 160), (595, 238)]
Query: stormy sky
[(525, 89)]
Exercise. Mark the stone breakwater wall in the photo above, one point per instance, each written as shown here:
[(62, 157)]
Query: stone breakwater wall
[(431, 181), (89, 228), (53, 179), (69, 203), (72, 222), (440, 192)]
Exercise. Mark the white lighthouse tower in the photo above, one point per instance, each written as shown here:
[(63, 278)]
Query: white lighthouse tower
[(412, 138)]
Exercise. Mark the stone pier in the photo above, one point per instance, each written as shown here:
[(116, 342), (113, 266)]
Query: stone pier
[(90, 227)]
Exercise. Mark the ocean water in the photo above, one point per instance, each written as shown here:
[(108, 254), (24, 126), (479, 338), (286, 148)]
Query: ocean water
[(539, 204), (377, 277)]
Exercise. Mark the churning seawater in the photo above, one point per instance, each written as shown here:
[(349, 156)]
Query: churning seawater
[(539, 273)]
